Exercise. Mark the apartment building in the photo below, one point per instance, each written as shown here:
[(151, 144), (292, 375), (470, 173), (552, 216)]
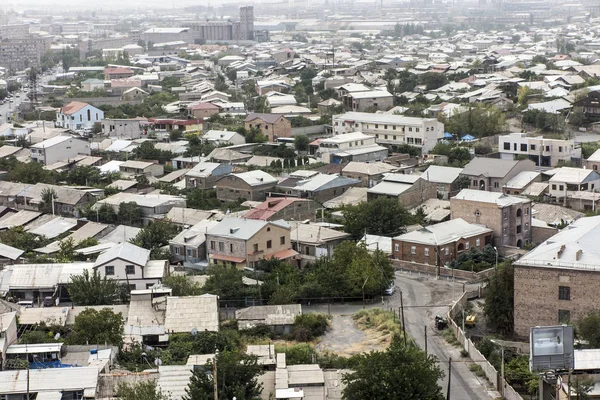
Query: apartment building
[(355, 146), (244, 242), (391, 129), (59, 148), (544, 152), (19, 53), (509, 217), (575, 187), (557, 281)]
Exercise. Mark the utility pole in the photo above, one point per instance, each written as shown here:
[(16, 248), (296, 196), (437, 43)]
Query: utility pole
[(449, 377), (215, 389), (425, 340), (402, 314)]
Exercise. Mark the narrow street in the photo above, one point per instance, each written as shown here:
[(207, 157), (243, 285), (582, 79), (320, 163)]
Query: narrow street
[(425, 297)]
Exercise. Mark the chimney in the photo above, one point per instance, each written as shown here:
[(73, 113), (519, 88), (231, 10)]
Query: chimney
[(578, 254), (560, 251)]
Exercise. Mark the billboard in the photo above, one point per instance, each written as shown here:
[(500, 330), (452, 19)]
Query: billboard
[(551, 348)]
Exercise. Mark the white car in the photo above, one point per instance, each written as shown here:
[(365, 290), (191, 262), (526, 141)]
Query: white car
[(391, 289)]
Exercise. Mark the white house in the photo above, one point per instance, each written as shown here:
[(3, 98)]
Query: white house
[(131, 265), (355, 146), (391, 129), (77, 115), (59, 148), (544, 152), (567, 182), (223, 137)]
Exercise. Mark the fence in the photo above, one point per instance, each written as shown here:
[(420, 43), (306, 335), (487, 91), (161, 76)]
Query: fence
[(444, 272), (488, 369)]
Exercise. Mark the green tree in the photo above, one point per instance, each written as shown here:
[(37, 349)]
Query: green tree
[(578, 118), (94, 290), (175, 135), (140, 391), (400, 369), (19, 238), (381, 216), (97, 327), (499, 299), (130, 213), (589, 328), (479, 120), (301, 142), (237, 376), (433, 80), (182, 285), (48, 198), (105, 214), (84, 176), (30, 173), (155, 235), (224, 281), (67, 251)]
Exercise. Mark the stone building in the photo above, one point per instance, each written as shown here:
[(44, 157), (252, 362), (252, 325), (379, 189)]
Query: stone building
[(251, 185), (492, 174), (273, 126), (508, 216), (558, 280)]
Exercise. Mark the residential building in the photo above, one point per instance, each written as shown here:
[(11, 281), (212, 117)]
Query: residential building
[(544, 152), (355, 146), (189, 246), (203, 110), (137, 168), (204, 175), (69, 383), (314, 241), (522, 181), (244, 242), (410, 190), (19, 53), (286, 208), (68, 201), (391, 129), (131, 128), (152, 205), (575, 187), (111, 73), (220, 138), (371, 100), (369, 174), (508, 216), (593, 162), (445, 178), (251, 185), (131, 265), (589, 105), (556, 282), (9, 255), (273, 126), (77, 115), (59, 148), (441, 243), (492, 174), (318, 187), (280, 318)]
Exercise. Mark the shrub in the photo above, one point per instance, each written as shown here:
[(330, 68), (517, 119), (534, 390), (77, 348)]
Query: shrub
[(309, 326)]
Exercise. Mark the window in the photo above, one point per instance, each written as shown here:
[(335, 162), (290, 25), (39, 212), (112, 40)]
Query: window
[(256, 247), (527, 211), (561, 187), (416, 129), (477, 242), (564, 293), (474, 182), (496, 185), (523, 147), (231, 247), (396, 247), (385, 127), (547, 148), (518, 229), (553, 187), (269, 244), (506, 146), (177, 250), (532, 146), (560, 149), (564, 316), (467, 245), (413, 249), (386, 136), (221, 246), (130, 269), (212, 245), (109, 270), (514, 146), (519, 212), (447, 251), (426, 251), (282, 240), (376, 126), (394, 127)]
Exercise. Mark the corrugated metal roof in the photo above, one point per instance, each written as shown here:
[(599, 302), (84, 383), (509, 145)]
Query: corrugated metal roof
[(49, 380), (48, 315), (39, 276), (18, 219), (55, 227), (443, 233), (10, 252), (174, 380), (186, 313), (124, 251), (501, 199)]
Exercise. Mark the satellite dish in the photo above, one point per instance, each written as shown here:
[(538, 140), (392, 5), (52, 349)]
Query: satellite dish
[(194, 332), (157, 362)]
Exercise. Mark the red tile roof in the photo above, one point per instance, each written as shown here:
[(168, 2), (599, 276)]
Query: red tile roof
[(267, 209), (203, 106), (227, 258), (117, 70), (73, 107)]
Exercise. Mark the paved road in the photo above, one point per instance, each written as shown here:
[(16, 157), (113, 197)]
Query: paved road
[(424, 297)]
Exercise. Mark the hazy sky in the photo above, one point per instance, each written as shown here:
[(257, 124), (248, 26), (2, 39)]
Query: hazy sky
[(20, 5)]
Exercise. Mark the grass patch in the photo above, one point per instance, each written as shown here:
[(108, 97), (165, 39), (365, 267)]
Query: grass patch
[(450, 338), (476, 369), (379, 320)]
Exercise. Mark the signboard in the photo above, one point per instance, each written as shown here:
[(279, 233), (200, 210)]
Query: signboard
[(551, 348)]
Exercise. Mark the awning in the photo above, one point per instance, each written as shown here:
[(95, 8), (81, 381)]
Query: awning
[(448, 135), (227, 258), (283, 254)]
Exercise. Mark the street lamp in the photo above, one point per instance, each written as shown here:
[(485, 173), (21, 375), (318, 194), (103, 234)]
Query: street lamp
[(496, 250)]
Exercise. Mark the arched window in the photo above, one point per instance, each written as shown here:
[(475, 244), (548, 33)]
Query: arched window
[(519, 212), (89, 113)]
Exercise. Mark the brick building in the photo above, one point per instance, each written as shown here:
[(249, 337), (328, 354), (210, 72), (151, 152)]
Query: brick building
[(286, 208), (492, 174), (508, 216), (410, 190), (558, 280), (273, 126), (447, 240), (251, 185)]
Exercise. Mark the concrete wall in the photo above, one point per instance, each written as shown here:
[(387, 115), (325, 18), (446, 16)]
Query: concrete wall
[(99, 101)]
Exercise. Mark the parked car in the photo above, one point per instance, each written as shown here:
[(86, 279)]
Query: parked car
[(48, 301), (391, 289)]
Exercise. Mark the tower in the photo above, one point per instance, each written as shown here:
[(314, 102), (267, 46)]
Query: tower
[(247, 23)]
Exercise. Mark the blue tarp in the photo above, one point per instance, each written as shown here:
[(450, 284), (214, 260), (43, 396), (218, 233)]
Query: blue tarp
[(448, 135), (467, 137)]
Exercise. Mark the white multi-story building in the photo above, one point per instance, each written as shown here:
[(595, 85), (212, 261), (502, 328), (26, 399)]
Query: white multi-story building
[(392, 129), (77, 115), (544, 152), (355, 146), (59, 148)]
